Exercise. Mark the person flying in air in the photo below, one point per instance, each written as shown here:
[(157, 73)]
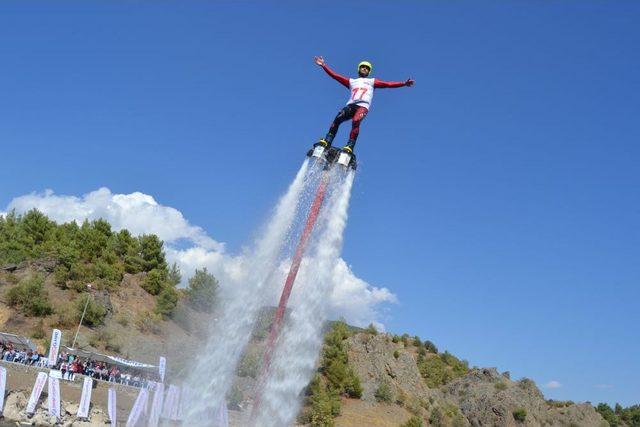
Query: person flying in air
[(358, 105)]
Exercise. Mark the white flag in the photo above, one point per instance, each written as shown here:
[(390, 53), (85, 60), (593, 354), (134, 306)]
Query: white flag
[(35, 393), (223, 415), (170, 407), (54, 397), (156, 407), (85, 399), (3, 386), (138, 408), (183, 402), (56, 336), (112, 406), (162, 367)]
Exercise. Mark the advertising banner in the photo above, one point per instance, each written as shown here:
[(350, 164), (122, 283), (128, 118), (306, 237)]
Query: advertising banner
[(54, 397), (85, 398), (36, 392), (113, 414), (56, 336)]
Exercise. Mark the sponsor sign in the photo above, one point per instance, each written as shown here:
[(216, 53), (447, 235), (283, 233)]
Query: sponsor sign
[(56, 335), (111, 406), (54, 397), (85, 399), (36, 392)]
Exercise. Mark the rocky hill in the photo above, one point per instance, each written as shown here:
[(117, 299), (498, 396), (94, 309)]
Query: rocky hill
[(135, 310)]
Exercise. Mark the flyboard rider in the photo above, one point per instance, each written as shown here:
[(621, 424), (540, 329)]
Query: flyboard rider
[(357, 107)]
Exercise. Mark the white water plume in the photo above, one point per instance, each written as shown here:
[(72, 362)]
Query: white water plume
[(300, 341), (213, 373)]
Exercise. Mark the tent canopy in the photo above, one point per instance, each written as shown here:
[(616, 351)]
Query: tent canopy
[(113, 360), (19, 342)]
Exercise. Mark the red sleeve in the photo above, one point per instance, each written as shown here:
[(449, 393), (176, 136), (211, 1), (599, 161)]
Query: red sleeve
[(382, 84), (341, 79)]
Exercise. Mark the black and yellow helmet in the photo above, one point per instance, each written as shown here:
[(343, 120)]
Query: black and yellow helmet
[(366, 64)]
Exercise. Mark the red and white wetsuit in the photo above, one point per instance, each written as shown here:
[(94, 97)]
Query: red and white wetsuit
[(359, 102)]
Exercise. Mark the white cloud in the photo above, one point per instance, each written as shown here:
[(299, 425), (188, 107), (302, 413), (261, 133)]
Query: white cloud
[(137, 212), (353, 298), (553, 384)]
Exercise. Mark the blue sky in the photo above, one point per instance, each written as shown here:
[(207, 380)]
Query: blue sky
[(498, 198)]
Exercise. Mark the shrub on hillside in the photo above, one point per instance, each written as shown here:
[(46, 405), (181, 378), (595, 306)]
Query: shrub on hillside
[(30, 297), (249, 364), (234, 397), (38, 331), (95, 312), (396, 354), (203, 290), (413, 422), (500, 386), (383, 393), (416, 341), (148, 322), (430, 347), (395, 339), (371, 329), (520, 415)]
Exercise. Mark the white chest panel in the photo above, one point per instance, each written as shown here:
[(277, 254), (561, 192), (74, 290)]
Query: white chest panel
[(361, 91)]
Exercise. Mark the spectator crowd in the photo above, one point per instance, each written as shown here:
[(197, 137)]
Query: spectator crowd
[(71, 365)]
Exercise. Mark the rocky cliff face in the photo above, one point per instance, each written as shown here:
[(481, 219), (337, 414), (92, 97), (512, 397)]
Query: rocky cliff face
[(482, 397)]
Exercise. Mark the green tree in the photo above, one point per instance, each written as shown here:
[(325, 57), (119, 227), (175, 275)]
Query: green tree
[(203, 290), (154, 282), (152, 253), (167, 301), (174, 277)]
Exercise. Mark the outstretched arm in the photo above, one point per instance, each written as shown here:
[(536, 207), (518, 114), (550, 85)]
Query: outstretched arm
[(382, 84), (344, 81)]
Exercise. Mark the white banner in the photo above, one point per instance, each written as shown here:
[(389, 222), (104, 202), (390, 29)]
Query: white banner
[(85, 398), (156, 407), (113, 414), (3, 385), (35, 393), (223, 415), (162, 366), (170, 407), (185, 392), (138, 408), (54, 397), (56, 336)]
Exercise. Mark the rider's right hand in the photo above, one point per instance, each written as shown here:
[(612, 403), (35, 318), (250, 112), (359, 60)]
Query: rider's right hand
[(319, 60)]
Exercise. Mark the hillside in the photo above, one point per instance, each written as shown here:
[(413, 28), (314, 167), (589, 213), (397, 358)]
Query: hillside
[(135, 309)]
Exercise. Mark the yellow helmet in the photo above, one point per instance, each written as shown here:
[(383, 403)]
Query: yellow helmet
[(366, 64)]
